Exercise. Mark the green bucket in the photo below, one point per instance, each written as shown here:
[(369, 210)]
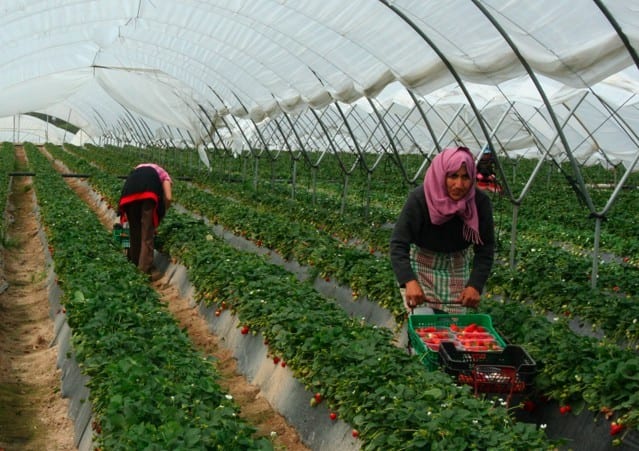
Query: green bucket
[(121, 235)]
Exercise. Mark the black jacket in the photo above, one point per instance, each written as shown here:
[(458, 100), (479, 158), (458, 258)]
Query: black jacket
[(413, 226)]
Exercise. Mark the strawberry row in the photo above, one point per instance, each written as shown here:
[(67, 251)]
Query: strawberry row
[(149, 388)]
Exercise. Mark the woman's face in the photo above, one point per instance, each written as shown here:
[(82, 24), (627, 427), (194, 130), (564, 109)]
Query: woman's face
[(458, 183)]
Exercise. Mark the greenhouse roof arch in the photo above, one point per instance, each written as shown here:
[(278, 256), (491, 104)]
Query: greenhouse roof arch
[(166, 71)]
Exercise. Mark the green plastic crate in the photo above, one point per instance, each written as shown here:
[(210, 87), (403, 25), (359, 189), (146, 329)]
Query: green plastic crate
[(121, 235), (431, 358)]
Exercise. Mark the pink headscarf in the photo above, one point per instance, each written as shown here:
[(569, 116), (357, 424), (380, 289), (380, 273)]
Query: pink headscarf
[(441, 207)]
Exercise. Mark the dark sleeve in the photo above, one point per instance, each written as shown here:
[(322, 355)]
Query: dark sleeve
[(408, 224), (484, 253)]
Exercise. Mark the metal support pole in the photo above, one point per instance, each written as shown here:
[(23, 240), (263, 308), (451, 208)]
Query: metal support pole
[(314, 188), (595, 254), (293, 179), (513, 236), (344, 194), (368, 195), (255, 172)]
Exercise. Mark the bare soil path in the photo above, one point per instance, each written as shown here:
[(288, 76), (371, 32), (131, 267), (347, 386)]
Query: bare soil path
[(33, 415)]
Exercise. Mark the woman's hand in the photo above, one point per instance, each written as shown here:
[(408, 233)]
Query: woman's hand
[(414, 294), (469, 297)]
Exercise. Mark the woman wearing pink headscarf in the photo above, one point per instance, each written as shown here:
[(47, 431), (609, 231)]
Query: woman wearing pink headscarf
[(442, 247)]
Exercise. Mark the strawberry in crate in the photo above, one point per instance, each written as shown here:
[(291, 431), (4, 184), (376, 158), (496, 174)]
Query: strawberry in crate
[(474, 337), (432, 336)]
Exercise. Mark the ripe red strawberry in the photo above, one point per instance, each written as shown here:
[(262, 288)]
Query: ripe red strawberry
[(318, 397), (333, 416), (472, 327), (529, 405), (276, 360), (283, 364), (564, 409), (615, 428), (245, 330), (355, 433)]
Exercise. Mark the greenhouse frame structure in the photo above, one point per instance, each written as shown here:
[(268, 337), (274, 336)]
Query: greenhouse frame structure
[(368, 81)]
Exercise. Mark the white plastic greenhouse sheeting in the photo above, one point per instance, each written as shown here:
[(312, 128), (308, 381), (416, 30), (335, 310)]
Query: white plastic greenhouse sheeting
[(160, 63), (26, 128)]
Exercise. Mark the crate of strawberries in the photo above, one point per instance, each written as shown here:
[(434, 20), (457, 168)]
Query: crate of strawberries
[(468, 347), (468, 332)]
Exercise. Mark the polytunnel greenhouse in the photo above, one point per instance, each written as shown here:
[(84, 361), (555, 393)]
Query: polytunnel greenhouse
[(292, 133)]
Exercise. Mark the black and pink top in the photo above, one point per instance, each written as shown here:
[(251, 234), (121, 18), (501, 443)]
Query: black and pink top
[(144, 183)]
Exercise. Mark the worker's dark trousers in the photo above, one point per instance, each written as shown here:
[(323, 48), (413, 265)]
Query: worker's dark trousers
[(141, 231)]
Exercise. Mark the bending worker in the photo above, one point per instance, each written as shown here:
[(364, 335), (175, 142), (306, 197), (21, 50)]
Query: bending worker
[(146, 196)]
